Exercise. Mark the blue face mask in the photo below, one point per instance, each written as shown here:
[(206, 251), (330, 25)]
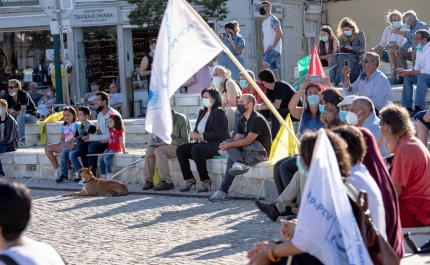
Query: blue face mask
[(12, 94), (420, 47), (301, 168), (397, 24), (406, 26), (243, 83), (347, 33), (313, 100), (324, 39), (322, 110), (342, 116), (216, 80), (1, 112)]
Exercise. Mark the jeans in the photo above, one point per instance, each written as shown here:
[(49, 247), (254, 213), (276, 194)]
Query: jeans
[(423, 82), (3, 149), (85, 148), (283, 172), (22, 120), (236, 122), (95, 148), (235, 154), (73, 156), (199, 152), (270, 57), (276, 125), (105, 166), (64, 155)]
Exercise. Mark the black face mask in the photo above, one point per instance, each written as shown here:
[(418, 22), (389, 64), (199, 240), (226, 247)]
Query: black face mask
[(262, 11)]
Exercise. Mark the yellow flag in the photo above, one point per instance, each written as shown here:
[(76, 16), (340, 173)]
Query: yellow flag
[(156, 178), (42, 124), (284, 144)]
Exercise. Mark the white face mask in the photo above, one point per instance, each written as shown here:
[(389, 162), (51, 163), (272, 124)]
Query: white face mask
[(352, 118), (48, 93)]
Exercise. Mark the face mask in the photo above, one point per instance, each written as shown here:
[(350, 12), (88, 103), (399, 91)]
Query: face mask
[(406, 26), (324, 39), (243, 83), (342, 115), (241, 108), (352, 118), (347, 32), (397, 24), (153, 51), (207, 102), (216, 80), (420, 47), (13, 94), (1, 112), (313, 100), (301, 168), (99, 109), (262, 11), (48, 94), (322, 110)]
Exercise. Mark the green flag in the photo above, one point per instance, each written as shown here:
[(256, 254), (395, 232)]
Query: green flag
[(303, 66)]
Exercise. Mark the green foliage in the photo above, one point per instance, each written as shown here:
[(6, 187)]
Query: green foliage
[(149, 13)]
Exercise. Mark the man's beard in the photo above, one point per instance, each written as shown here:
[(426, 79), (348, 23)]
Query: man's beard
[(100, 108)]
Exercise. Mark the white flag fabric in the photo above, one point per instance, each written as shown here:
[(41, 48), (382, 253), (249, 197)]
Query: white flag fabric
[(327, 228), (184, 45)]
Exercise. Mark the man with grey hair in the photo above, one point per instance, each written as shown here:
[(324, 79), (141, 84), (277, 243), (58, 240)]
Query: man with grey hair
[(408, 51), (363, 114), (372, 83), (419, 75), (33, 92)]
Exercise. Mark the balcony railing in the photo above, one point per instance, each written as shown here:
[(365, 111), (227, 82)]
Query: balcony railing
[(18, 3)]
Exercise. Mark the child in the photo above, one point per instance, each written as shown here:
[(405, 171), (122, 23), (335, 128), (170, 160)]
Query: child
[(115, 144), (86, 127), (68, 129)]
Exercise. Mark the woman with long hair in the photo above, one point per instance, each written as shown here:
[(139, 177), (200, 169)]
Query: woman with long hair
[(327, 46)]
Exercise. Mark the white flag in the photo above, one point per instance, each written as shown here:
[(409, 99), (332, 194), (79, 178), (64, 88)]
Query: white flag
[(184, 45), (327, 228)]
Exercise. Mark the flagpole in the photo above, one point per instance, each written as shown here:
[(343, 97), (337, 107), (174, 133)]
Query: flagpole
[(245, 74)]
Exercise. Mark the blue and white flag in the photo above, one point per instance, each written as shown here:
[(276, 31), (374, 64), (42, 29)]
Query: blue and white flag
[(185, 44), (327, 228)]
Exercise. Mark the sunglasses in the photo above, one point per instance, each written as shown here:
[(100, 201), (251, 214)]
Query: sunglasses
[(112, 86), (367, 61), (11, 87)]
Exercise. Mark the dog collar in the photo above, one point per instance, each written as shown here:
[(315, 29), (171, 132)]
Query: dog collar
[(88, 180)]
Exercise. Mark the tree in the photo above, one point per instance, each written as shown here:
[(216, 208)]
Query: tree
[(150, 12)]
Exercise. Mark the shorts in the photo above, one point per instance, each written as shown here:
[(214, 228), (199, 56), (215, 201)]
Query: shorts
[(270, 57), (420, 116)]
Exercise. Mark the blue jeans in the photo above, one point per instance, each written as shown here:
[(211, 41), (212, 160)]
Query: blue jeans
[(73, 156), (64, 155), (270, 57), (236, 122), (105, 165), (423, 82), (3, 149), (22, 120), (95, 148)]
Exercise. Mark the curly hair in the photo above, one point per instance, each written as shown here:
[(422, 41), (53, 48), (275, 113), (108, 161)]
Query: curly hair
[(308, 141), (233, 25), (347, 22), (355, 140)]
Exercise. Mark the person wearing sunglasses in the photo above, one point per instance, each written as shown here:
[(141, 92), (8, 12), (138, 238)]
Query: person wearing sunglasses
[(115, 99), (21, 107), (372, 83)]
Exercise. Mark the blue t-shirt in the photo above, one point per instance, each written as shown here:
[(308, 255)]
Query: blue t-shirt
[(312, 124)]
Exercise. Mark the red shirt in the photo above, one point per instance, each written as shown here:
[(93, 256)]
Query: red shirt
[(255, 94), (114, 142)]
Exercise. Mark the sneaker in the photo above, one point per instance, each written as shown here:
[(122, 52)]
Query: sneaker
[(56, 173), (148, 185), (391, 80), (2, 174), (81, 182), (218, 196), (109, 176), (238, 169), (399, 81), (22, 144), (164, 186), (103, 177), (269, 209), (62, 179), (415, 112)]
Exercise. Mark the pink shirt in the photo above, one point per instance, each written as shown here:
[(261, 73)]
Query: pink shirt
[(327, 45), (202, 80)]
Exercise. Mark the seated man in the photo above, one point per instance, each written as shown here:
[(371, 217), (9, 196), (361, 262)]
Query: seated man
[(408, 50), (33, 92), (250, 146), (21, 107), (9, 138), (419, 75), (115, 99), (98, 142), (279, 93), (372, 83), (160, 152), (363, 114)]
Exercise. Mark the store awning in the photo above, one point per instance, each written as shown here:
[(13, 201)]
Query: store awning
[(24, 21)]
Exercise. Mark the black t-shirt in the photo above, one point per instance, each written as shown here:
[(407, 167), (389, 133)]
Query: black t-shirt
[(282, 91), (23, 99), (256, 124), (92, 129)]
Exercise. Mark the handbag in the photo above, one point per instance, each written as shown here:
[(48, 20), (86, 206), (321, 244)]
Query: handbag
[(379, 250)]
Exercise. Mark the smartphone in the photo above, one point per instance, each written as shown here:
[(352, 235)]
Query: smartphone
[(346, 63), (315, 78), (224, 35)]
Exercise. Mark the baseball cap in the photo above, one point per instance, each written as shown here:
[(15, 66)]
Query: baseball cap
[(347, 100)]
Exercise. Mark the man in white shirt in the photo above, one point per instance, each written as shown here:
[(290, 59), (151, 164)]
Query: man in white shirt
[(272, 43), (419, 75), (115, 99)]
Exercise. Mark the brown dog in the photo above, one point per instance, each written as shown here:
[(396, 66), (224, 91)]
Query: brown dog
[(96, 187)]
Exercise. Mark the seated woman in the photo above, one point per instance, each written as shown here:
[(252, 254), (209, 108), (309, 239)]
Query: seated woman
[(423, 125), (45, 104), (327, 46), (329, 110), (352, 46), (211, 130), (409, 169)]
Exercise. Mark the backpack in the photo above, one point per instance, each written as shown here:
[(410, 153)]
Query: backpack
[(7, 260)]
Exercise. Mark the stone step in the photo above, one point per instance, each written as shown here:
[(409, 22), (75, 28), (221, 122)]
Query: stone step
[(420, 235)]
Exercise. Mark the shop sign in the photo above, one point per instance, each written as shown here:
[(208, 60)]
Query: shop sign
[(94, 16)]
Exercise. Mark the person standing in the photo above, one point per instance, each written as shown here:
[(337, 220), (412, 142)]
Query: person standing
[(146, 64), (235, 43), (33, 92), (272, 33), (9, 138)]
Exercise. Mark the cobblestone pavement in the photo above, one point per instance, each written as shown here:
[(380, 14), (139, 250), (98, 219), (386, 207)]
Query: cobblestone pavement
[(148, 229)]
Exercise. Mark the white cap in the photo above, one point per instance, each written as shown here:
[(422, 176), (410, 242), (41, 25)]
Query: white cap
[(347, 100)]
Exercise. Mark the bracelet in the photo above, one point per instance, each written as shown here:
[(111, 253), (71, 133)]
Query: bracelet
[(272, 257)]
